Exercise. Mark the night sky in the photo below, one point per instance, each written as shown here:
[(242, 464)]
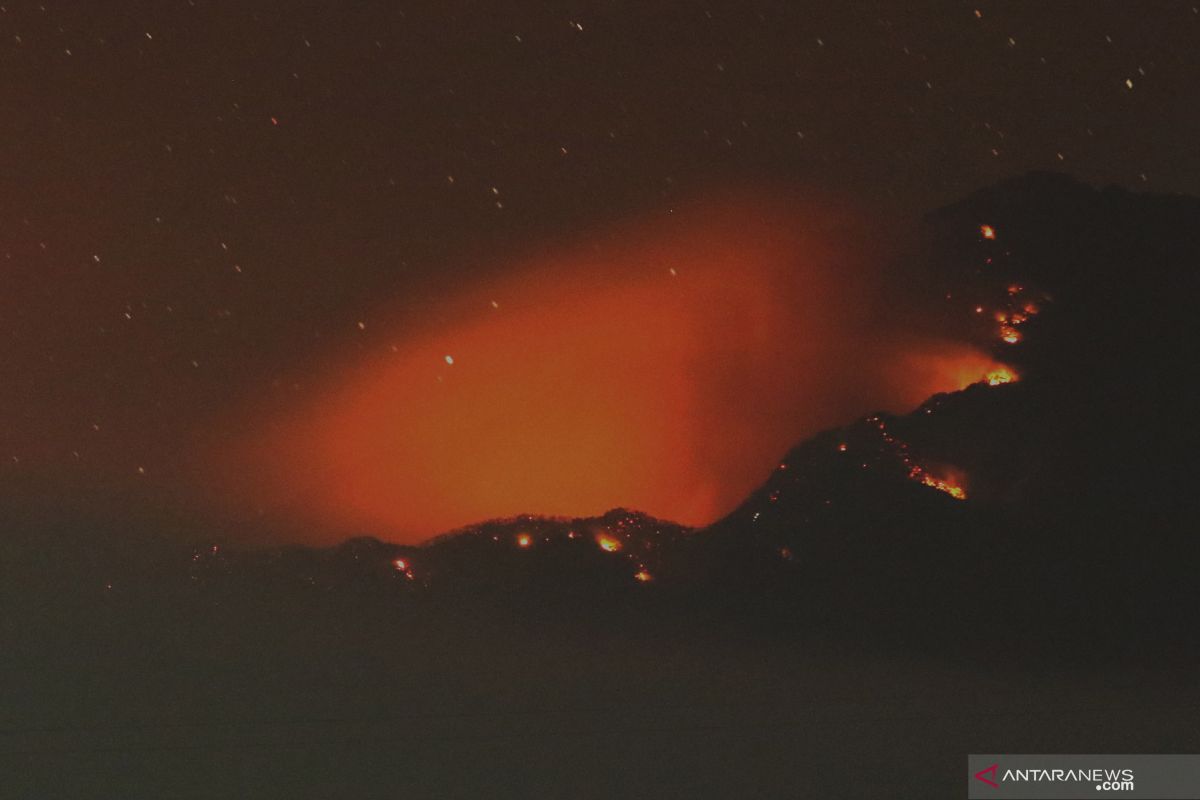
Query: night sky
[(217, 218)]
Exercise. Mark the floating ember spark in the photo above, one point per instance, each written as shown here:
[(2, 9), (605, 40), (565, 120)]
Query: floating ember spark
[(400, 564), (643, 576), (987, 232), (608, 544), (842, 447), (999, 376), (524, 540), (786, 553)]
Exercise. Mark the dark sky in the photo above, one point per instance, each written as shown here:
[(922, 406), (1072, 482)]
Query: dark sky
[(200, 202)]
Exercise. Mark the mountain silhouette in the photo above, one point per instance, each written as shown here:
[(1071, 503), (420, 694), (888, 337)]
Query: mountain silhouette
[(1054, 496), (885, 577)]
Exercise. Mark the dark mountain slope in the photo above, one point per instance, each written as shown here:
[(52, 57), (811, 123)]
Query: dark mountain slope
[(1008, 568), (1080, 517), (1062, 504)]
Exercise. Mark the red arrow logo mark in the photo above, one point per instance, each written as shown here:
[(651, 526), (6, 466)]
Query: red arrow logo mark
[(989, 781)]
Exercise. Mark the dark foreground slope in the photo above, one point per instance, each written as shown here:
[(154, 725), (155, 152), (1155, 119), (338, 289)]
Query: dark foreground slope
[(1078, 535), (1007, 568)]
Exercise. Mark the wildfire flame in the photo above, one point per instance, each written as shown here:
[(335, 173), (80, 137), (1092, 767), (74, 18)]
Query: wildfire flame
[(944, 485), (1018, 312), (1009, 334), (608, 544), (619, 382), (643, 576), (916, 472), (524, 540), (1000, 376), (987, 232)]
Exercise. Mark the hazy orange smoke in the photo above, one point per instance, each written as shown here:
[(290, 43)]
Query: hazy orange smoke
[(664, 366)]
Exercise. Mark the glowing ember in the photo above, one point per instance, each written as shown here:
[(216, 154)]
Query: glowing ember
[(1000, 376), (1009, 334), (942, 485), (842, 447), (400, 564), (524, 540), (608, 544), (915, 471), (643, 576), (987, 231)]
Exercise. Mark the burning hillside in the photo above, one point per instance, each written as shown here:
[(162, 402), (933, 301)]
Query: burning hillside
[(1053, 430)]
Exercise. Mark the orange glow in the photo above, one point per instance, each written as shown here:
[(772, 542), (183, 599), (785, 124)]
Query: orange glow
[(585, 376), (643, 576), (608, 544), (1000, 376), (524, 540), (957, 367), (987, 231)]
